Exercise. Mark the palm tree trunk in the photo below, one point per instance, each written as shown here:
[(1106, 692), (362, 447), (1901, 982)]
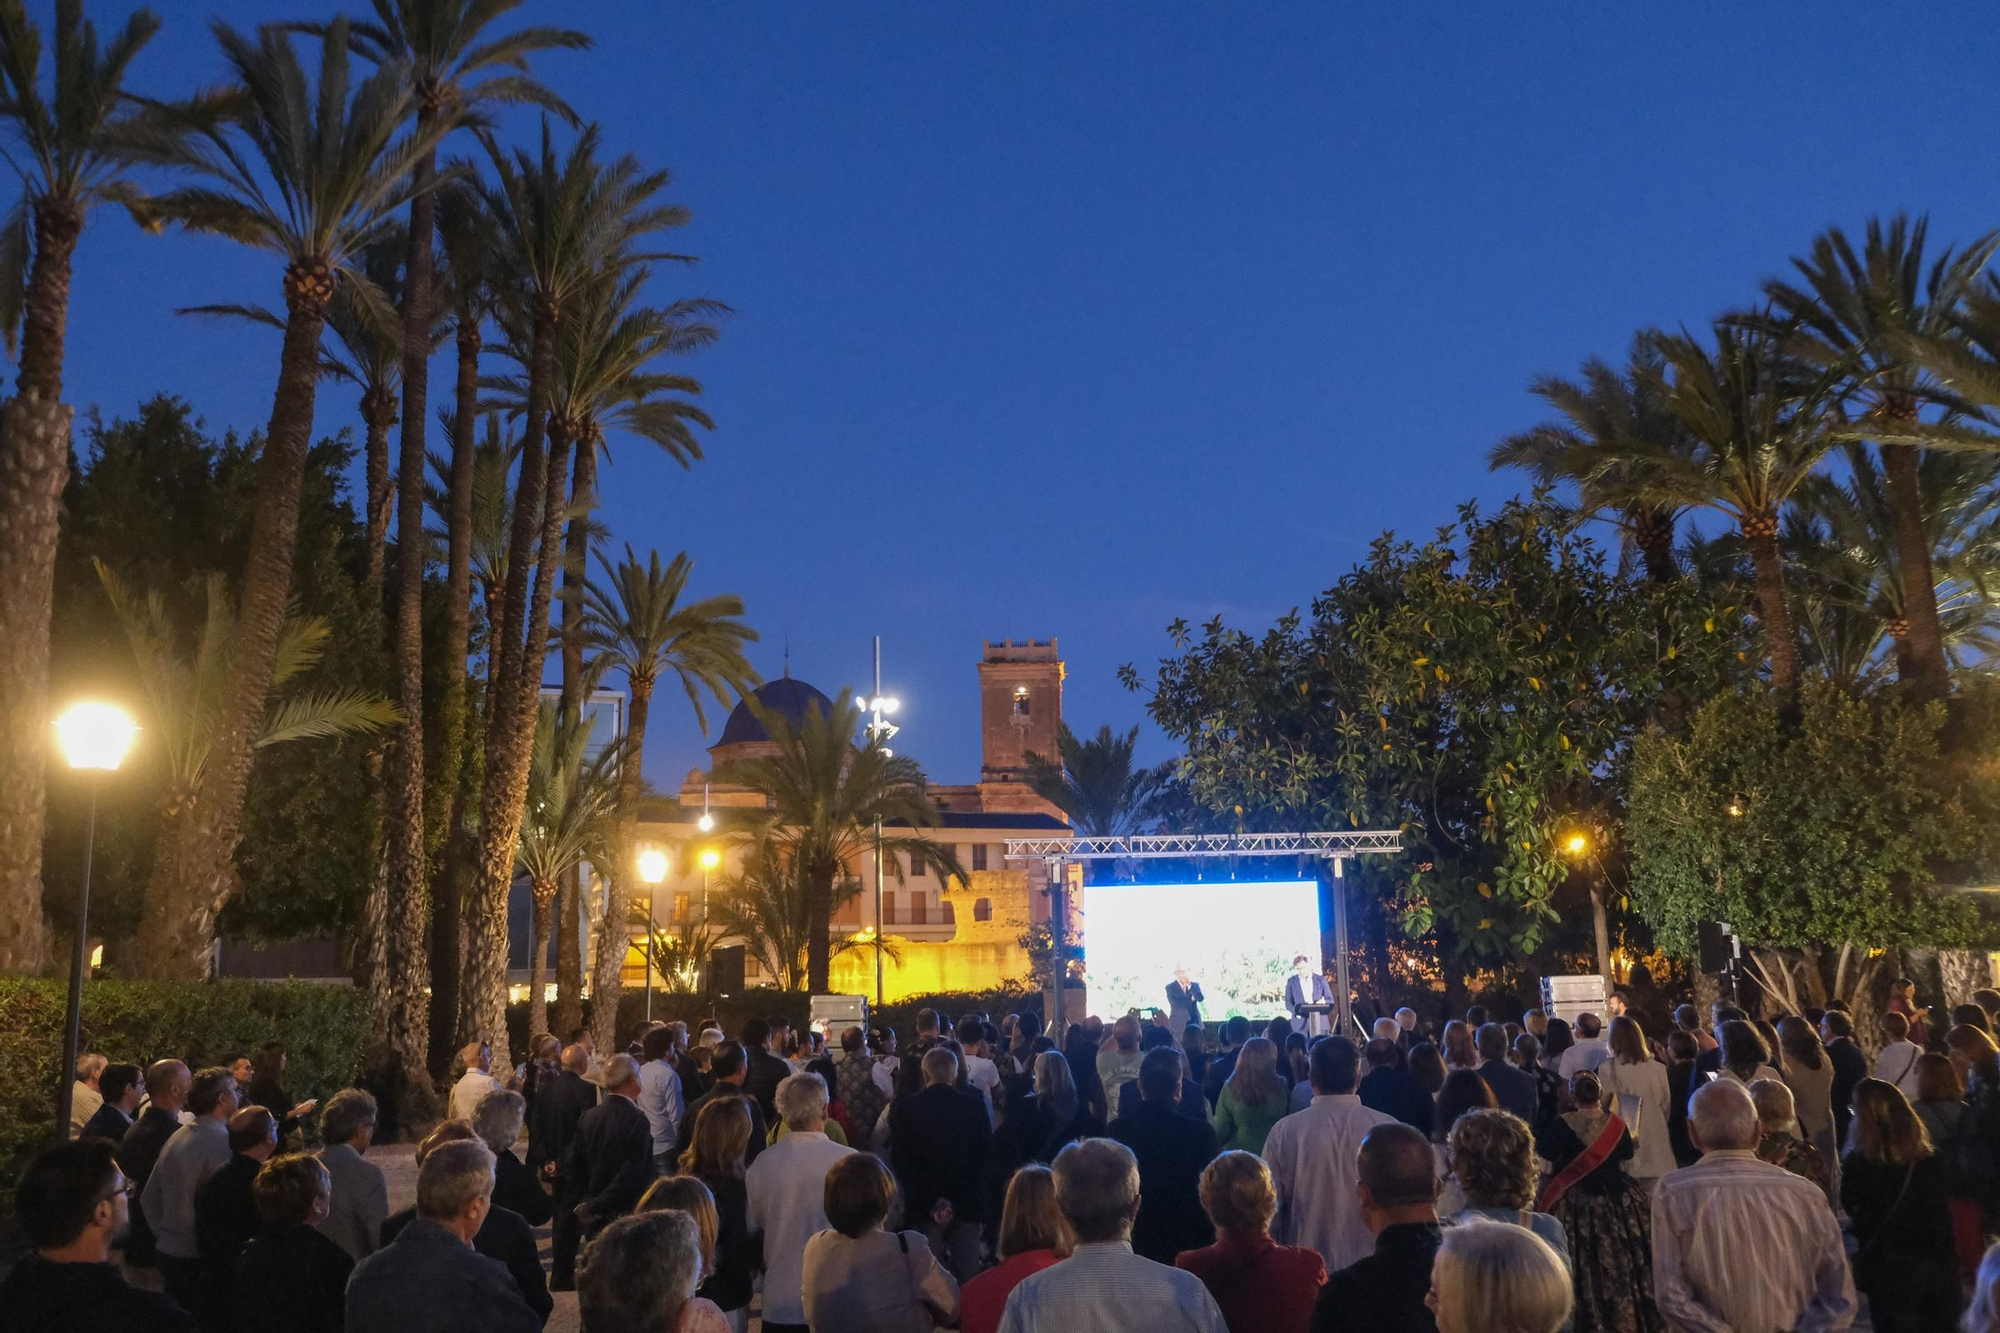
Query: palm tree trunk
[(378, 413), (613, 936), (1760, 534), (181, 904), (576, 550), (1600, 929), (1653, 534), (819, 925), (538, 961), (448, 785), (1927, 675), (34, 465)]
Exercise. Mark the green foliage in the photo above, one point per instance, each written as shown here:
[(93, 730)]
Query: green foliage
[(324, 1029), (1480, 693), (1849, 813), (1094, 783)]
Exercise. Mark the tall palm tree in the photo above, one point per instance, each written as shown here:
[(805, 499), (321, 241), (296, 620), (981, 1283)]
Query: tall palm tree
[(638, 624), (1759, 428), (824, 797), (1600, 414), (70, 156), (313, 174), (769, 905), (562, 222), (1094, 782), (460, 69), (571, 803), (1858, 314)]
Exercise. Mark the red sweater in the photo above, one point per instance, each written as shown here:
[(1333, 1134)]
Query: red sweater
[(982, 1300), (1262, 1286)]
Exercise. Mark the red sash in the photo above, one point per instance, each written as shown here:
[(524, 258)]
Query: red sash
[(1596, 1155)]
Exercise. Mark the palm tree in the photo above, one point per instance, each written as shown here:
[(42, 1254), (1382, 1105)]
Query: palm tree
[(1759, 428), (1601, 414), (562, 222), (1857, 315), (769, 905), (1094, 783), (314, 174), (70, 158), (824, 798), (571, 803), (637, 623)]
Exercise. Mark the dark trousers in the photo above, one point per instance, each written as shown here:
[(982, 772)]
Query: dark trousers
[(187, 1282), (565, 1238)]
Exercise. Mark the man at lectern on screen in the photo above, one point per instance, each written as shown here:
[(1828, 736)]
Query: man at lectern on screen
[(1184, 1000), (1305, 987)]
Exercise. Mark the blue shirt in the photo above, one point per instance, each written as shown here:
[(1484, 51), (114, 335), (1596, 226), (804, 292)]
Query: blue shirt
[(1105, 1288), (1542, 1224), (660, 1099)]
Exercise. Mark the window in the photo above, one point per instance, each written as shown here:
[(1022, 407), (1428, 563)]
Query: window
[(982, 909), (681, 906), (1020, 701), (888, 907), (916, 866), (751, 967), (979, 858)]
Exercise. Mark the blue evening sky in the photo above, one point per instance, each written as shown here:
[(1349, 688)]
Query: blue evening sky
[(1068, 319)]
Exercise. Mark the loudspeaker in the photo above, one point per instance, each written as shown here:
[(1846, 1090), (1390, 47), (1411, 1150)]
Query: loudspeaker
[(1713, 943), (725, 972)]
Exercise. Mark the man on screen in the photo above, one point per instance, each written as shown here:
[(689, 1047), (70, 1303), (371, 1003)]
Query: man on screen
[(1184, 999), (1305, 987)]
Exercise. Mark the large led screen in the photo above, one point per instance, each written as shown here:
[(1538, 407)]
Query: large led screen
[(1237, 940)]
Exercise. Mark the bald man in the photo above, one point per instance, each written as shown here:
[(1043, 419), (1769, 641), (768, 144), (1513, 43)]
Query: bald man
[(557, 1108)]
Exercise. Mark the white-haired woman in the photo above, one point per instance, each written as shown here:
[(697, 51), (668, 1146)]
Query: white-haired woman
[(1489, 1277), (640, 1273), (497, 1122)]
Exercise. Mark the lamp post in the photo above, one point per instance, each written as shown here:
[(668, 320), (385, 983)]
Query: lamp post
[(652, 870), (94, 739), (710, 859), (879, 731)]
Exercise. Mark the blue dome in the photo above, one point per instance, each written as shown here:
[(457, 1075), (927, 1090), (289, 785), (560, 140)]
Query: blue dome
[(788, 698)]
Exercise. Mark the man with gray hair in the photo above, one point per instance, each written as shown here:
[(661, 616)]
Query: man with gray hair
[(1740, 1243), (606, 1167), (939, 1143), (640, 1272), (194, 1153), (359, 1204), (787, 1204), (431, 1280), (1103, 1287)]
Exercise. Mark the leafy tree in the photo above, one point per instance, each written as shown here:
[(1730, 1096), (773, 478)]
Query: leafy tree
[(71, 156), (1094, 783), (1817, 829), (770, 904), (572, 801)]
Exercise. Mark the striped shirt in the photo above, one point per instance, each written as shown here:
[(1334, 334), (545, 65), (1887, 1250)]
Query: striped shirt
[(1741, 1246), (1311, 1154), (1105, 1288)]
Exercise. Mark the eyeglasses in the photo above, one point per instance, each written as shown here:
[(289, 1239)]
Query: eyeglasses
[(123, 1187)]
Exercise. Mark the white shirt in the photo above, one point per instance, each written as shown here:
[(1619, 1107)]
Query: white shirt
[(787, 1189), (885, 1076), (660, 1098), (1740, 1244), (468, 1092), (1653, 1150), (1898, 1065), (1312, 1158), (1105, 1288), (1588, 1053)]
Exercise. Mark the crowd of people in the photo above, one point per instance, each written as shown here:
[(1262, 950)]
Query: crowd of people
[(1493, 1177)]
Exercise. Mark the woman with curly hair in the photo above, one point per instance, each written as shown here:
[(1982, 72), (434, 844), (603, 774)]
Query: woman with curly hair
[(1604, 1214), (1778, 1140), (1493, 1160)]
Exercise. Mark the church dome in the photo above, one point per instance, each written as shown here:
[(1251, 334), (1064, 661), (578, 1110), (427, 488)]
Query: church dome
[(790, 699)]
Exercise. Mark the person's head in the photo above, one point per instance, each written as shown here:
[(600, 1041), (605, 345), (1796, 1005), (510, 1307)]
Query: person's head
[(443, 1132), (1895, 1027), (1384, 1029), (1687, 1018), (1937, 1079), (213, 1093), (1743, 1047), (122, 1086), (1238, 1195), (1988, 1000), (755, 1033), (1406, 1019), (1301, 966), (1800, 1043), (656, 1045), (253, 1132), (1528, 1050), (1884, 1128), (801, 1103), (1397, 1177), (781, 1028), (719, 1146), (859, 1193), (620, 1076), (475, 1056), (545, 1047), (1535, 1021), (1970, 1015), (1126, 1033), (1558, 1039), (580, 1036), (639, 1273), (1490, 1041), (1382, 1052), (167, 1084), (712, 1033), (1722, 1118), (1154, 1037), (1335, 1066), (688, 1195), (1615, 1003), (927, 1023), (1459, 1050), (1427, 1067), (1463, 1091), (72, 1199), (1983, 1315), (1194, 1039), (240, 1066), (498, 1118), (292, 1190), (1097, 1188), (455, 1187), (1055, 1085), (1160, 1076), (1493, 1156), (1235, 1031), (1030, 1219), (1628, 1041), (1588, 1026), (1475, 1017), (940, 1066), (853, 1041), (89, 1067), (348, 1117), (1279, 1030), (1777, 1111), (1682, 1047), (1836, 1026), (1902, 988), (576, 1059), (731, 1064), (1585, 1089), (269, 1065), (1491, 1277)]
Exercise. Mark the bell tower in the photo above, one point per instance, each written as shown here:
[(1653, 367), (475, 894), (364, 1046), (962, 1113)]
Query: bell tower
[(1020, 710)]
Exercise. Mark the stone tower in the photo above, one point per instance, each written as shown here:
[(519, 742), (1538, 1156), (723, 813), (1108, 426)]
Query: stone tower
[(1020, 710)]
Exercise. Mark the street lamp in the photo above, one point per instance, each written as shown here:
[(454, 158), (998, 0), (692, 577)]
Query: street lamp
[(1576, 844), (94, 739), (652, 870), (709, 860), (878, 732)]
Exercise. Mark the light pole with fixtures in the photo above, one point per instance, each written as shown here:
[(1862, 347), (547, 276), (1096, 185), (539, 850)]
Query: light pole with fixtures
[(878, 730), (94, 739), (652, 870)]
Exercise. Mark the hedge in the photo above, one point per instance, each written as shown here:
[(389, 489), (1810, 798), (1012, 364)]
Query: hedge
[(324, 1028)]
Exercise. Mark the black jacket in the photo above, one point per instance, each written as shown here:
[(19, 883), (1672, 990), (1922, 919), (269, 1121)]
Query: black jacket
[(106, 1122), (41, 1297), (225, 1216), (738, 1254), (290, 1280), (609, 1163), (557, 1109), (1515, 1089), (938, 1144), (765, 1072), (1188, 997), (1850, 1066), (516, 1189), (1681, 1083), (1396, 1092), (686, 1135), (504, 1237), (1030, 1133), (1383, 1293), (1192, 1104), (429, 1281), (1172, 1151), (137, 1152)]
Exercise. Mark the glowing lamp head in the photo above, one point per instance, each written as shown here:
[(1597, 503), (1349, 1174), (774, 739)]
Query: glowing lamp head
[(652, 865), (1734, 809), (706, 823), (1576, 844), (710, 858), (888, 705), (95, 736)]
